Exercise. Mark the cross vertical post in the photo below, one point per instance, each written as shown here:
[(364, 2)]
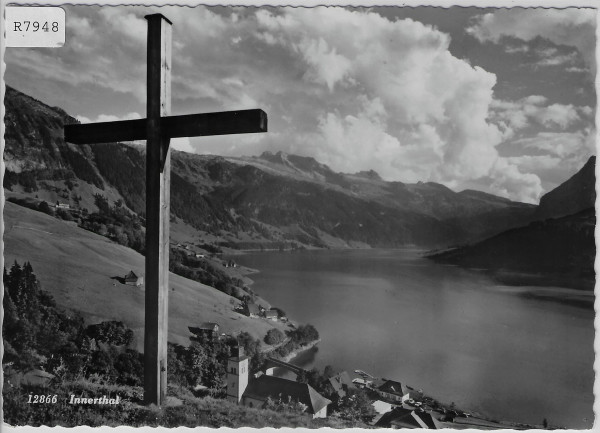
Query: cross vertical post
[(158, 182), (157, 129)]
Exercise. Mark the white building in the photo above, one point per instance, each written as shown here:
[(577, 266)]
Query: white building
[(254, 393)]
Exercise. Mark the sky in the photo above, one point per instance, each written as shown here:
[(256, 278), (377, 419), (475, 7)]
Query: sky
[(498, 100)]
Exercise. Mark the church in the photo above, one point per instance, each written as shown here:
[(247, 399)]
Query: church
[(253, 392)]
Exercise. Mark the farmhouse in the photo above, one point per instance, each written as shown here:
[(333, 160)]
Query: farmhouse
[(132, 279), (255, 392), (271, 315), (251, 309), (341, 383), (206, 329), (395, 391)]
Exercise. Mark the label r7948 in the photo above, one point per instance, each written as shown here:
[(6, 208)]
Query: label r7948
[(36, 26)]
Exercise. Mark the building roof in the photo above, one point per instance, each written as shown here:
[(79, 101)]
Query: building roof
[(397, 415), (381, 407), (208, 326), (271, 313), (237, 354), (253, 308), (428, 419), (406, 418), (339, 381), (276, 387), (391, 387), (131, 276)]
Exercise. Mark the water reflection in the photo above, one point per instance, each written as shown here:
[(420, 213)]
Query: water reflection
[(454, 333)]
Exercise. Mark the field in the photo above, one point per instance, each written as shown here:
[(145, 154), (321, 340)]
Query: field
[(79, 268)]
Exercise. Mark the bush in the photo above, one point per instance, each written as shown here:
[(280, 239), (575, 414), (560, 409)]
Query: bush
[(45, 207), (64, 215), (274, 336)]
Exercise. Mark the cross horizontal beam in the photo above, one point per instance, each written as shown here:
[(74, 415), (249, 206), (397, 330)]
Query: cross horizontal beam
[(190, 125)]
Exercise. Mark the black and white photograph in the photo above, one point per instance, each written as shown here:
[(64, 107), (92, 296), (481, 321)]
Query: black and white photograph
[(366, 217)]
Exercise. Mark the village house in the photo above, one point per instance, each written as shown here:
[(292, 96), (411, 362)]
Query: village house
[(256, 391), (271, 315), (401, 418), (207, 329), (251, 309), (132, 279), (341, 383), (395, 391)]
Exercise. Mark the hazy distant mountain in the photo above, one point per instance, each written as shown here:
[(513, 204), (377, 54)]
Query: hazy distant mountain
[(251, 201), (556, 249)]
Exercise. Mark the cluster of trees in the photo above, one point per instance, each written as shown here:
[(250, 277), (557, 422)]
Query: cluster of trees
[(274, 336), (37, 334), (354, 406), (298, 337), (117, 223), (204, 361), (205, 272)]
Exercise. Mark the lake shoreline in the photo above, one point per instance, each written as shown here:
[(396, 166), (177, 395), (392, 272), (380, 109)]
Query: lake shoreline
[(445, 353)]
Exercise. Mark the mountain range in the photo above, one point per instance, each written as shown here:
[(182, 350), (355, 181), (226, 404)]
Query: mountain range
[(556, 249), (277, 200), (267, 201)]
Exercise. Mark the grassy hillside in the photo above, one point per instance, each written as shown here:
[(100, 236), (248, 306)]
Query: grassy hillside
[(272, 201), (182, 410), (77, 267)]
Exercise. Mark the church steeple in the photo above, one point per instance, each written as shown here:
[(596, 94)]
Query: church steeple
[(237, 374)]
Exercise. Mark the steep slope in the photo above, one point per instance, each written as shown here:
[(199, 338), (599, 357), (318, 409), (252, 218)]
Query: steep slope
[(78, 268), (273, 201), (574, 195), (559, 251)]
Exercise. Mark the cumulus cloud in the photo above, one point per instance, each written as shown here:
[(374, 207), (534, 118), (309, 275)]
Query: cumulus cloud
[(574, 27), (513, 116), (569, 146), (354, 89), (182, 144), (394, 107), (510, 182)]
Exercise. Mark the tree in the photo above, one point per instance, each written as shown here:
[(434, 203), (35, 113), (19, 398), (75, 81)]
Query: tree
[(102, 203), (274, 336), (355, 406), (45, 207)]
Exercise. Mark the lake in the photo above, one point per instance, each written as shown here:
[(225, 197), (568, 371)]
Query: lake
[(455, 333)]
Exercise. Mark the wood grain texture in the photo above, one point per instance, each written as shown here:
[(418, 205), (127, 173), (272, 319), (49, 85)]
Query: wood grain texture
[(157, 211), (189, 125)]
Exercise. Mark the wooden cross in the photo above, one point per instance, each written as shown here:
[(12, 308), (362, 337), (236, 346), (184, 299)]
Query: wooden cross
[(157, 129)]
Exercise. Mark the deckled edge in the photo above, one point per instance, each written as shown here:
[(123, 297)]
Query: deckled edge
[(545, 4)]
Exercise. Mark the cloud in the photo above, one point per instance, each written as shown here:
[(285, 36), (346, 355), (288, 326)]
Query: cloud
[(510, 182), (182, 144), (109, 118), (354, 89), (403, 106), (569, 146), (573, 26), (513, 116)]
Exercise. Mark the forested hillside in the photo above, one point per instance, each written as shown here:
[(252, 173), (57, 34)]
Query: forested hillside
[(271, 201)]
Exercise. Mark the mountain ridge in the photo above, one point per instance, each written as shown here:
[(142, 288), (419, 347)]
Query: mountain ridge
[(272, 198), (558, 248)]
